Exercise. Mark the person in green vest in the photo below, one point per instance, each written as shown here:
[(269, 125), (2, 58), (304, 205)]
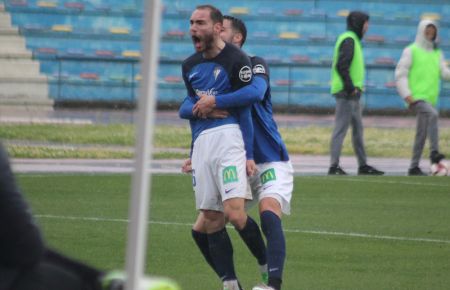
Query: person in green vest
[(418, 75), (347, 82)]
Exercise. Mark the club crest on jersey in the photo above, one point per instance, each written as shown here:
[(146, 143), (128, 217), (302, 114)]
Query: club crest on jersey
[(259, 69), (268, 175), (216, 72), (245, 74), (229, 174)]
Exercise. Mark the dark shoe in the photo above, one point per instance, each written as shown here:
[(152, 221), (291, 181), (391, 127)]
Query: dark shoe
[(369, 170), (416, 171), (436, 157), (336, 170)]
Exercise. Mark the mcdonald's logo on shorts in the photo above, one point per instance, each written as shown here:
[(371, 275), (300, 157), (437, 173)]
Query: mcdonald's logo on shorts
[(230, 174), (268, 175)]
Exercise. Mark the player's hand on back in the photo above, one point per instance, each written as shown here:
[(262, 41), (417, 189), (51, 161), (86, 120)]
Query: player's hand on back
[(187, 166), (204, 106), (251, 167)]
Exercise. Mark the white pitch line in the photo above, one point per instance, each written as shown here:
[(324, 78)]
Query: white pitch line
[(324, 233), (343, 178)]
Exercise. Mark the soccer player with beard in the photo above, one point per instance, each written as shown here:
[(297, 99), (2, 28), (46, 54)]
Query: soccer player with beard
[(273, 182), (222, 148)]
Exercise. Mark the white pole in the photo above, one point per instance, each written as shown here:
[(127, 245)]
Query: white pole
[(139, 206)]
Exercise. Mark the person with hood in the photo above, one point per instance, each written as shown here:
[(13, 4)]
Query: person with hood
[(347, 80), (26, 263), (417, 76)]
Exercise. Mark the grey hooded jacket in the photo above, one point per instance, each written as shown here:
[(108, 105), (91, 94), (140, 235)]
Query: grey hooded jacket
[(404, 64)]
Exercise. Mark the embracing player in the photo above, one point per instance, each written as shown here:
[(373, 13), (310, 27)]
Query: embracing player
[(222, 148), (273, 182)]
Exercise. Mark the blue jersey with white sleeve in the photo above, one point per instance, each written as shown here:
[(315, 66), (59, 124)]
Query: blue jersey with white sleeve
[(268, 144), (229, 71)]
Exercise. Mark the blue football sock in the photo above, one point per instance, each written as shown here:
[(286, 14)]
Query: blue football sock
[(276, 247), (221, 252), (252, 237), (201, 239)]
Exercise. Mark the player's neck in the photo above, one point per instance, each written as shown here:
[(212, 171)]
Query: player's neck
[(215, 49)]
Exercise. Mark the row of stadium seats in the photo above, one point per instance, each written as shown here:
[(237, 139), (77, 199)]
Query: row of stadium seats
[(90, 53)]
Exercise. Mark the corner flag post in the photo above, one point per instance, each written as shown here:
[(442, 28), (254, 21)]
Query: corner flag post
[(139, 205)]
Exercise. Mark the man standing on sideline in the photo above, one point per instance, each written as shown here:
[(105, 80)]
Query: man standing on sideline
[(273, 182), (347, 81), (417, 76), (220, 162)]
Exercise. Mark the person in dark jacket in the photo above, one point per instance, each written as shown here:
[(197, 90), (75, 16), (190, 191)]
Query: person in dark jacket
[(26, 263), (347, 81)]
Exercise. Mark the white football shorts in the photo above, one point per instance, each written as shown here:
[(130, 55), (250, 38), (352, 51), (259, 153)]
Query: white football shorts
[(275, 180), (219, 167)]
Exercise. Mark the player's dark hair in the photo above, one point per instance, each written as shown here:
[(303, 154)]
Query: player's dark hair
[(215, 14), (238, 25)]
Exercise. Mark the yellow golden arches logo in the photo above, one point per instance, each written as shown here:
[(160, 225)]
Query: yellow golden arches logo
[(268, 175), (230, 174)]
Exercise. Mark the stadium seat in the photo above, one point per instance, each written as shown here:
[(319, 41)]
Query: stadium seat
[(239, 11), (289, 35), (62, 28), (47, 4), (385, 60), (173, 79), (266, 11), (18, 3), (118, 78), (176, 33), (343, 13), (317, 37), (297, 58), (119, 30), (390, 85), (317, 13), (75, 52), (46, 51), (89, 76), (430, 16), (283, 82), (104, 53), (34, 27), (403, 16), (326, 60), (74, 5), (261, 35), (102, 8), (311, 83), (293, 12), (129, 9), (131, 54), (374, 38), (403, 40)]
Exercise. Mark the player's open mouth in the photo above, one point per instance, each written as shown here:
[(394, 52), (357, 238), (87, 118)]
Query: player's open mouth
[(197, 41)]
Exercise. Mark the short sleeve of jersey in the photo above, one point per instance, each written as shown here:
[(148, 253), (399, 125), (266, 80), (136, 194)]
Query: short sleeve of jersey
[(241, 71), (260, 67)]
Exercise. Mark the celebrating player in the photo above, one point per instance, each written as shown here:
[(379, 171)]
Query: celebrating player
[(222, 148), (417, 77), (273, 182)]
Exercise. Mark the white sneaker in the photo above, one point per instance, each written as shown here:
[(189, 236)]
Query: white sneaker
[(231, 285), (262, 287)]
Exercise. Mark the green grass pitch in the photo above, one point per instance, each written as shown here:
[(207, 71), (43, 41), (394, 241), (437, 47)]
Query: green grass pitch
[(343, 233)]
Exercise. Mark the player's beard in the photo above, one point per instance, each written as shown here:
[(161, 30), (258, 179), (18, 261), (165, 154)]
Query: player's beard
[(208, 42), (203, 43)]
